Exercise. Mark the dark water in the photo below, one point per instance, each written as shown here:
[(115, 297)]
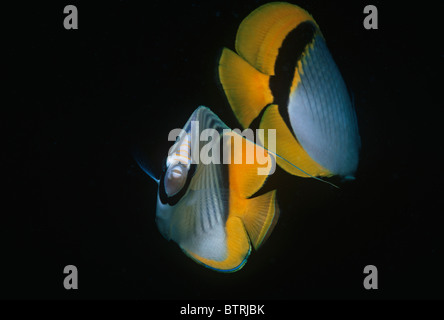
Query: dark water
[(131, 73)]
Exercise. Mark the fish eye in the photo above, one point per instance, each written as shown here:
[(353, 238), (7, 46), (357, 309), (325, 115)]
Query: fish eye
[(175, 178)]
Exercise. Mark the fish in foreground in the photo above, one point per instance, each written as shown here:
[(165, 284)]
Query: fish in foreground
[(283, 77), (214, 212)]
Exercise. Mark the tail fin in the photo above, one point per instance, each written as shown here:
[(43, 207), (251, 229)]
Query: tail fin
[(260, 217)]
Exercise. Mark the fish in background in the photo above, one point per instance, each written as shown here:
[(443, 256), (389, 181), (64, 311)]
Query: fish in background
[(283, 77), (215, 212)]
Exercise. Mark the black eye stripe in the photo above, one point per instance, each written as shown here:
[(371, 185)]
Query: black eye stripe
[(175, 198)]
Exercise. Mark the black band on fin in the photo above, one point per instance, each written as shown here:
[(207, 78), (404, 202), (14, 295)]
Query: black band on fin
[(290, 52), (175, 199), (257, 121)]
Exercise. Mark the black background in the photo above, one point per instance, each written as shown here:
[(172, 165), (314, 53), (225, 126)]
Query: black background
[(77, 100)]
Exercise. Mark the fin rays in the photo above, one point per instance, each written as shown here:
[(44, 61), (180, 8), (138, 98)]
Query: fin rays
[(225, 211)]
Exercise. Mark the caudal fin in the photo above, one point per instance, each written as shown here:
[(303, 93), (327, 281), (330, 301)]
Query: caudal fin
[(260, 217)]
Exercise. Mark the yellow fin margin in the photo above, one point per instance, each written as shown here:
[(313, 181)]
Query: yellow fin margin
[(250, 221), (261, 33), (247, 89), (289, 148), (238, 248)]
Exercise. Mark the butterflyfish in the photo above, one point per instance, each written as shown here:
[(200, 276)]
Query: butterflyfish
[(212, 209), (282, 76)]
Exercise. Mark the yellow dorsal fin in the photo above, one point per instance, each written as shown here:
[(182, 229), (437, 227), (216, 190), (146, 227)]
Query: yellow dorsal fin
[(260, 217), (247, 171), (247, 89), (262, 32), (289, 148)]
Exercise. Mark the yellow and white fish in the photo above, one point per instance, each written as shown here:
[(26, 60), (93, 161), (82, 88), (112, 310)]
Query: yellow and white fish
[(213, 211), (283, 77)]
